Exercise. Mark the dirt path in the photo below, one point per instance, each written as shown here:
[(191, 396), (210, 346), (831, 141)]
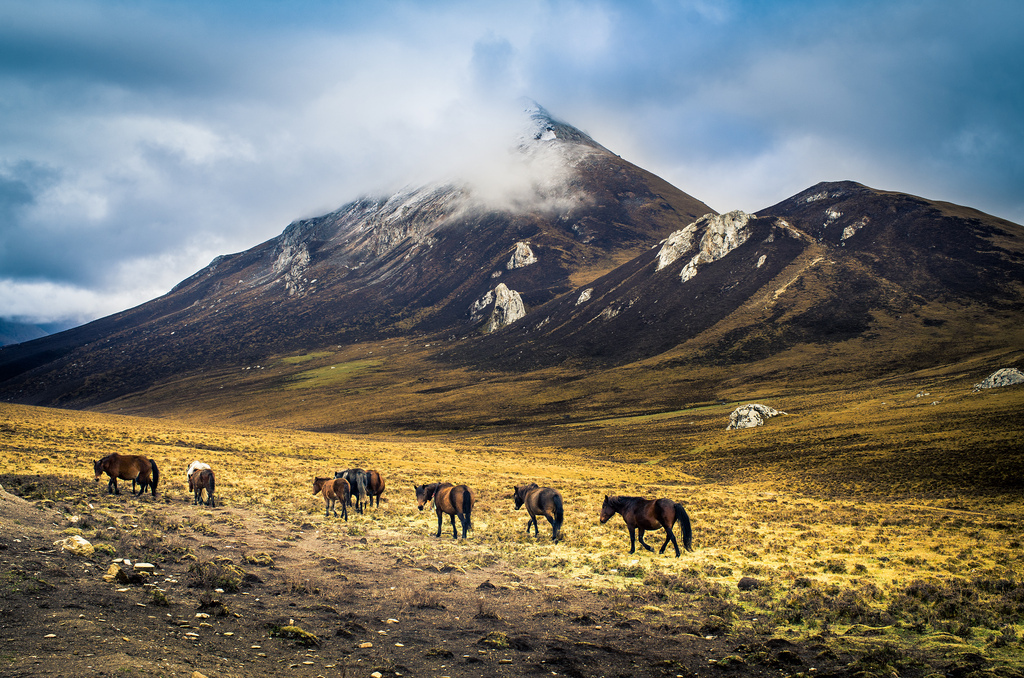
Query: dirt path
[(371, 609)]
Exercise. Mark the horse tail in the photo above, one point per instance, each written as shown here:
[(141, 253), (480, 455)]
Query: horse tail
[(467, 506), (683, 518), (556, 501), (156, 476)]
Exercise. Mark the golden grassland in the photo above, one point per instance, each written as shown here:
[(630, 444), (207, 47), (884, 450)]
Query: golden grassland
[(877, 517)]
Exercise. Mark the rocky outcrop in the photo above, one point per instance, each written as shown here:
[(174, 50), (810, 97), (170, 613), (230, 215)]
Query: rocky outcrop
[(1008, 376), (749, 416), (719, 234), (522, 257), (505, 305)]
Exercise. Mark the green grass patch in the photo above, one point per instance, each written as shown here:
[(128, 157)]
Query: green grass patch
[(333, 375), (304, 358)]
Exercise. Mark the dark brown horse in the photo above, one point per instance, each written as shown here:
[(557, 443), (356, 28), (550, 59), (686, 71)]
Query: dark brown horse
[(134, 467), (202, 480), (374, 486), (450, 499), (643, 514), (334, 490), (540, 501)]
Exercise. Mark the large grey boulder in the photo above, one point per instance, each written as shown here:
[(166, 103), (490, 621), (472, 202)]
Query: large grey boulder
[(749, 416), (1008, 376)]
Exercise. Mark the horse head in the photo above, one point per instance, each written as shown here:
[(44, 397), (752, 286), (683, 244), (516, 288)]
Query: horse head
[(607, 509), (318, 484), (97, 466), (425, 493)]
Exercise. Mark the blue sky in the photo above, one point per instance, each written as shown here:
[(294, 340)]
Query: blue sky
[(138, 140)]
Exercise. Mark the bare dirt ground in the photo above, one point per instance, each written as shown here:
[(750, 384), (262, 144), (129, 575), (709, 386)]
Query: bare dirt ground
[(372, 612)]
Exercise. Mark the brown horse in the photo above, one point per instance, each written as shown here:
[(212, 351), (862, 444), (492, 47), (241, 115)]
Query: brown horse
[(334, 490), (134, 467), (540, 501), (374, 486), (453, 500), (643, 514), (202, 480)]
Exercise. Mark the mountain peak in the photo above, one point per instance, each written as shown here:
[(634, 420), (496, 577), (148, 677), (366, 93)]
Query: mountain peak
[(542, 127)]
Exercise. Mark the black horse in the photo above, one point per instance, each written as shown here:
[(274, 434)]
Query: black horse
[(358, 480)]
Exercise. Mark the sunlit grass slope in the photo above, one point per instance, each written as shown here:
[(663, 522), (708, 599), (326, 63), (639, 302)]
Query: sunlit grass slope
[(863, 521)]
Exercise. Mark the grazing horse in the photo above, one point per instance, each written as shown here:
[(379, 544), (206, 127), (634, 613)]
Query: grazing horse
[(200, 480), (450, 499), (134, 467), (542, 501), (356, 478), (643, 514), (374, 486), (334, 490)]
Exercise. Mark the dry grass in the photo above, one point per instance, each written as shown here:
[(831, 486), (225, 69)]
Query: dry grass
[(867, 517)]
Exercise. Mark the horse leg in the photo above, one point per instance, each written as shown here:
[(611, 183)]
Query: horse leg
[(455, 530), (533, 522), (112, 487), (670, 537), (440, 522), (632, 539), (642, 542), (554, 530)]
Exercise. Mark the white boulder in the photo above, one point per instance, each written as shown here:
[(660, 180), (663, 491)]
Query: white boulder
[(1008, 376), (76, 545), (507, 307), (719, 234), (523, 256), (749, 416)]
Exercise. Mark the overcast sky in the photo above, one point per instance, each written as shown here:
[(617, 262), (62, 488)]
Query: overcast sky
[(140, 139)]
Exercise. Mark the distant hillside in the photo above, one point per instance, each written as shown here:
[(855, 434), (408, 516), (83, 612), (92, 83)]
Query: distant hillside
[(12, 332)]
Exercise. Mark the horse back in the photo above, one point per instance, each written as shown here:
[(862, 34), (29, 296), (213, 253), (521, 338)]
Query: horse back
[(340, 488), (454, 499), (543, 500)]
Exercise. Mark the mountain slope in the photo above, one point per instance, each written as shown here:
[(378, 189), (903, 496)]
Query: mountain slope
[(836, 262), (434, 259)]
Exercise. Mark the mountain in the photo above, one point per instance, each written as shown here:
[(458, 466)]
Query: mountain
[(567, 283), (456, 258), (835, 263), (14, 332)]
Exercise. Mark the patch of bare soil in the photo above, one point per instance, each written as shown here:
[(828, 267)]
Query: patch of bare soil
[(261, 598)]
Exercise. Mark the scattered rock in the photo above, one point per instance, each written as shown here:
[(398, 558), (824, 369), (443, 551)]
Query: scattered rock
[(116, 574), (196, 674), (749, 416), (1008, 376), (76, 545)]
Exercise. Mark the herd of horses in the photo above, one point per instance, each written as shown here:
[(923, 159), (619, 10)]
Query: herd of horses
[(364, 487)]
